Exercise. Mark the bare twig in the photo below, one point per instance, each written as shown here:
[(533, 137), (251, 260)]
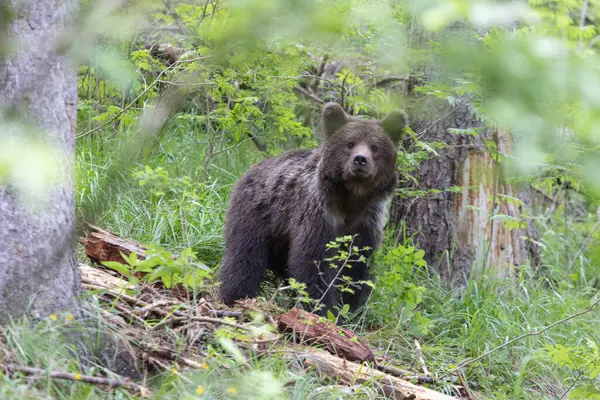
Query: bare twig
[(308, 94), (225, 313), (144, 310), (578, 377), (131, 315), (276, 292), (464, 385), (165, 367), (266, 315), (535, 333), (337, 275), (407, 375), (229, 148), (271, 320), (168, 354), (94, 380), (215, 321), (460, 104), (167, 317), (257, 142), (585, 243), (115, 293), (176, 18)]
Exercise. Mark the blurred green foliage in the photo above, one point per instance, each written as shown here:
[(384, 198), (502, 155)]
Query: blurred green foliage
[(177, 99)]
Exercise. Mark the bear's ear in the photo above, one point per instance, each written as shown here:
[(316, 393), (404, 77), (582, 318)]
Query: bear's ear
[(333, 117), (394, 125)]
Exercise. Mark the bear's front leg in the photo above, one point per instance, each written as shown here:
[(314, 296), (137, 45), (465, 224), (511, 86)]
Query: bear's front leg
[(244, 266)]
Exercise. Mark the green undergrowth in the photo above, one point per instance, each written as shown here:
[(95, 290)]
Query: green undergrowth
[(177, 204)]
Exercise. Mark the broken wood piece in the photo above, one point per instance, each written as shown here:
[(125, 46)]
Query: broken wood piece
[(421, 358), (350, 373), (99, 277), (102, 245), (307, 328)]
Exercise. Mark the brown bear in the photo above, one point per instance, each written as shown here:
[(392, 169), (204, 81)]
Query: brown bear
[(285, 209)]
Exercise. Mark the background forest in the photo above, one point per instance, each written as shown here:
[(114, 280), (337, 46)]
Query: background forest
[(489, 275)]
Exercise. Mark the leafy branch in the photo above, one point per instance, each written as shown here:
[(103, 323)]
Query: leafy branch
[(134, 101)]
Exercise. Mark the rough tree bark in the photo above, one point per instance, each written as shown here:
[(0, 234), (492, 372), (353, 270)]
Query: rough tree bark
[(38, 268), (455, 229)]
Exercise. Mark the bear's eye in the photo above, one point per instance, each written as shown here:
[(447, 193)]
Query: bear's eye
[(350, 145), (374, 148)]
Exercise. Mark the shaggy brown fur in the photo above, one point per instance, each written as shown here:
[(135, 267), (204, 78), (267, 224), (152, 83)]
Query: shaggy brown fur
[(285, 209)]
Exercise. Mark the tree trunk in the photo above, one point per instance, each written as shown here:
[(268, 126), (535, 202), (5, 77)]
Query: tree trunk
[(38, 269), (455, 229)]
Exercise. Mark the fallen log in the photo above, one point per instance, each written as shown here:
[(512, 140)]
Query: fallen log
[(350, 373), (307, 328), (102, 245)]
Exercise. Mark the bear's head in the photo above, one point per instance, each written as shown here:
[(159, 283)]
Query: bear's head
[(360, 153)]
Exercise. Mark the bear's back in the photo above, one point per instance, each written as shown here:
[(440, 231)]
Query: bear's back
[(272, 191)]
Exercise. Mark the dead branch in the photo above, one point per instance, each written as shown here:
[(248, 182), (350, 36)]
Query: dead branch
[(304, 92), (351, 373), (464, 385), (534, 333), (160, 303), (115, 293), (214, 321), (167, 354), (225, 313), (407, 375), (174, 316), (94, 380), (249, 304), (131, 315)]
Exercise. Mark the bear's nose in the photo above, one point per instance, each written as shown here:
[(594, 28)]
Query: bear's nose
[(360, 160)]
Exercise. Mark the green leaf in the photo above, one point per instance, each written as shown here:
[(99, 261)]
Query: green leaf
[(117, 266), (132, 259), (147, 265), (330, 316)]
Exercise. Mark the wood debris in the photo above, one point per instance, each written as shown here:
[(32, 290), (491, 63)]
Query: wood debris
[(351, 373), (102, 245), (156, 320), (307, 328)]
